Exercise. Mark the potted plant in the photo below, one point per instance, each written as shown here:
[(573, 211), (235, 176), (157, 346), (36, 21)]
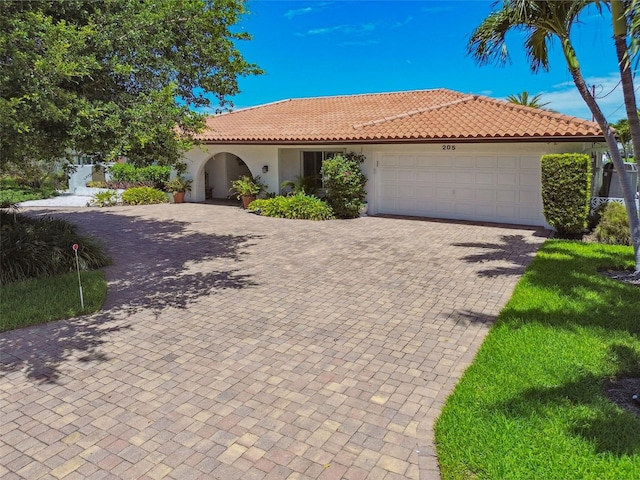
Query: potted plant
[(178, 186), (247, 189)]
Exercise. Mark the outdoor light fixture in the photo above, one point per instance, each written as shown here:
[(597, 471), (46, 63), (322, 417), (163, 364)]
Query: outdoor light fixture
[(265, 168)]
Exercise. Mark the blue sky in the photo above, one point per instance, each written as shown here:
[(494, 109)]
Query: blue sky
[(314, 48)]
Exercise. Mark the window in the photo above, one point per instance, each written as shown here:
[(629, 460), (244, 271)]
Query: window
[(312, 163)]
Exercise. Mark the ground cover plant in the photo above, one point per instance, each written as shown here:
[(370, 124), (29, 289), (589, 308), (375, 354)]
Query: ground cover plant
[(51, 298), (533, 405)]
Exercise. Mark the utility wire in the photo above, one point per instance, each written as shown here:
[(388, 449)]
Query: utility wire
[(612, 90), (611, 114)]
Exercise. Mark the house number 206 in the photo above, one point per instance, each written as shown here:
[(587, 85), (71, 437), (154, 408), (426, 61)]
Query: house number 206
[(448, 147)]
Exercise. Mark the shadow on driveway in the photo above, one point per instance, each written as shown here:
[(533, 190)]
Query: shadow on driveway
[(157, 265)]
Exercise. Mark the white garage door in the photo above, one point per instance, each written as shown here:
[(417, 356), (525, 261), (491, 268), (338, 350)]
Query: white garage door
[(490, 188)]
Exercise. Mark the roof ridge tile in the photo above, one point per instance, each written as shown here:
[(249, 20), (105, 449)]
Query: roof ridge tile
[(413, 112)]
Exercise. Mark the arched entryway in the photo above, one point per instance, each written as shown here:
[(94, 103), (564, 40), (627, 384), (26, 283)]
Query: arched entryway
[(219, 171)]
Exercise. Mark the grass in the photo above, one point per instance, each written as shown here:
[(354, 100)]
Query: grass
[(532, 406), (45, 299)]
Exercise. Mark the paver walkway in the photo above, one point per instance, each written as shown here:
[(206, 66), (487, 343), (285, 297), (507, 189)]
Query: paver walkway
[(234, 346)]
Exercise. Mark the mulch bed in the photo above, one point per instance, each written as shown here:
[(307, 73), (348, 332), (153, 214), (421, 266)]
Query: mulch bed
[(626, 276), (621, 393)]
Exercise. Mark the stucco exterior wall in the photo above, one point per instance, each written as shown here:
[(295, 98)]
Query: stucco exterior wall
[(283, 161)]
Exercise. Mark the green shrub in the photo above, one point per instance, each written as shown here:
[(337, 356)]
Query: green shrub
[(345, 183), (566, 189), (12, 192), (41, 247), (155, 174), (107, 198), (152, 175), (143, 196), (124, 172), (299, 206), (614, 225)]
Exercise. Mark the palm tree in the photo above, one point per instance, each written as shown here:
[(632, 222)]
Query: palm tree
[(524, 99), (623, 24), (541, 21)]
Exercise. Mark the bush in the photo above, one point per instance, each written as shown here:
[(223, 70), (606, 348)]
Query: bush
[(41, 247), (153, 175), (107, 198), (345, 183), (12, 192), (124, 172), (143, 196), (614, 224), (566, 189), (299, 206), (156, 175)]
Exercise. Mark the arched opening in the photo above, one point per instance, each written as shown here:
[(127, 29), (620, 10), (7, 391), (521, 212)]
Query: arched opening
[(219, 171)]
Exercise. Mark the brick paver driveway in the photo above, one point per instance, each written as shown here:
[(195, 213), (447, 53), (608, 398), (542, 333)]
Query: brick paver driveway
[(236, 346)]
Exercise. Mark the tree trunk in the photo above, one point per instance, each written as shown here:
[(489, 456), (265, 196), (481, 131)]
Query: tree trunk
[(620, 29), (616, 158)]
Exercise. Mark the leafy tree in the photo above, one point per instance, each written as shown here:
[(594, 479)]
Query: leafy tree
[(541, 21), (109, 78), (524, 99), (624, 135)]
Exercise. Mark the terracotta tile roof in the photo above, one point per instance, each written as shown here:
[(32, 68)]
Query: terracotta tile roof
[(413, 116)]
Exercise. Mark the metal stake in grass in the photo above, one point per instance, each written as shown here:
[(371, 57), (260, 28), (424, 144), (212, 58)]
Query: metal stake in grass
[(75, 249)]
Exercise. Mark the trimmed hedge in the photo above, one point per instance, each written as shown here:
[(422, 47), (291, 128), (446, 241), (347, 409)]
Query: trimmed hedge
[(566, 189)]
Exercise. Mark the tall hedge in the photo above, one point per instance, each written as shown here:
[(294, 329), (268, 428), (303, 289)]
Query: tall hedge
[(566, 190)]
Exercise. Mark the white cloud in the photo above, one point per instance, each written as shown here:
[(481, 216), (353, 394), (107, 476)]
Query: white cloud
[(344, 29), (325, 30), (300, 11), (317, 7)]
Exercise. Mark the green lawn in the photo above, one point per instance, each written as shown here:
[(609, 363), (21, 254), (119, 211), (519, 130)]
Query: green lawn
[(44, 299), (532, 405)]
